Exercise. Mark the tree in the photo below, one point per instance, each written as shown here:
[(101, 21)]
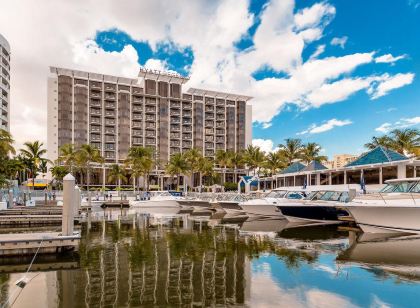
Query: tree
[(384, 141), (405, 141), (193, 157), (223, 159), (292, 149), (59, 172), (236, 161), (85, 157), (176, 166), (117, 174), (253, 157), (32, 154), (310, 152), (6, 143), (206, 169), (275, 161), (68, 155), (141, 162)]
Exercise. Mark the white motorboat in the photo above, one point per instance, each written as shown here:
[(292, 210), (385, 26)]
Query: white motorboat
[(395, 208), (162, 199), (266, 206)]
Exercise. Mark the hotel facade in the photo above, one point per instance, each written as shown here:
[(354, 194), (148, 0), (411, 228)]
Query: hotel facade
[(115, 113), (4, 84)]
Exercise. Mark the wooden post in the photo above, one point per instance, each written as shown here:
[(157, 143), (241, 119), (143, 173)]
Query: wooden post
[(67, 223)]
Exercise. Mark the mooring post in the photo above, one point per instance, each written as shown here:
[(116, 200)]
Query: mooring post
[(10, 198), (68, 204), (77, 200)]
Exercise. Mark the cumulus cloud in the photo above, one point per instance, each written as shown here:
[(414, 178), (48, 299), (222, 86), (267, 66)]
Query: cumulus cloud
[(388, 58), (402, 123), (339, 41), (265, 145), (326, 126), (210, 29), (389, 83), (319, 50)]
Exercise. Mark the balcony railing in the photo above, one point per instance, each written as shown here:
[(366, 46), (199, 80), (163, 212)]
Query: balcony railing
[(186, 136), (95, 120), (150, 142), (175, 120), (137, 124), (109, 114), (209, 124), (150, 126), (95, 112), (175, 127), (175, 105), (137, 116), (110, 122), (137, 100), (109, 131), (150, 134), (186, 144), (187, 129), (137, 132), (187, 114), (175, 135), (137, 109), (186, 106), (95, 129), (110, 89), (175, 143), (95, 137), (175, 113), (186, 122), (150, 110), (95, 95), (110, 97), (110, 106)]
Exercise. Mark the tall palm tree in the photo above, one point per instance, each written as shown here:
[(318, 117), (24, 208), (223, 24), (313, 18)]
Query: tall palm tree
[(311, 151), (253, 157), (59, 172), (292, 149), (117, 174), (176, 166), (68, 155), (6, 143), (193, 157), (141, 161), (223, 159), (86, 156), (405, 141), (275, 161), (236, 160), (206, 169), (33, 153), (384, 141)]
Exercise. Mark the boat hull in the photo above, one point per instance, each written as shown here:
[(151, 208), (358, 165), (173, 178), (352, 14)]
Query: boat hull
[(261, 210), (386, 219), (312, 213), (155, 203)]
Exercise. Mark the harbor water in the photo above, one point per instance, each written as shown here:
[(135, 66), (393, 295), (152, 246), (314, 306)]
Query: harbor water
[(128, 259)]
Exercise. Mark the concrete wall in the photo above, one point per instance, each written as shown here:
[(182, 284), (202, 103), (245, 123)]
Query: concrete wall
[(248, 125)]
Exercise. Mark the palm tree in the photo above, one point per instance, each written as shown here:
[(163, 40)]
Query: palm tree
[(141, 162), (117, 174), (59, 172), (193, 158), (291, 149), (206, 169), (254, 157), (236, 160), (68, 155), (33, 156), (310, 152), (176, 166), (275, 161), (384, 141), (405, 141), (223, 159), (6, 143), (85, 157)]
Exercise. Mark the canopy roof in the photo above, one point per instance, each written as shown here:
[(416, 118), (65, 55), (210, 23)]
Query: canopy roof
[(295, 167), (377, 156)]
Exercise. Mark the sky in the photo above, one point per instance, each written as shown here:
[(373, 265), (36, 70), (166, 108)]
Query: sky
[(333, 72)]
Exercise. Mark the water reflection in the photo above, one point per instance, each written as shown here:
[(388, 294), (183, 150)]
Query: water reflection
[(178, 260)]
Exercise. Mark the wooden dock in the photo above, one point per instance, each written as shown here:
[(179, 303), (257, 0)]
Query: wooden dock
[(29, 243)]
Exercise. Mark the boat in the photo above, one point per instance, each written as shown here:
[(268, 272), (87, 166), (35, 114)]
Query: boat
[(266, 206), (158, 199), (317, 206), (395, 208)]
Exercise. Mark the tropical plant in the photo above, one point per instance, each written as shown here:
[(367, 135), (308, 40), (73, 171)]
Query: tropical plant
[(193, 158), (206, 169), (140, 160), (6, 143), (384, 141), (223, 159), (68, 156), (311, 152), (59, 172), (275, 161), (236, 161), (176, 166), (32, 154), (253, 157), (405, 141), (291, 149), (117, 174), (85, 157)]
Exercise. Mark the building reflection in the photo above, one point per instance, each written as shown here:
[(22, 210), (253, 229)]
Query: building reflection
[(125, 266)]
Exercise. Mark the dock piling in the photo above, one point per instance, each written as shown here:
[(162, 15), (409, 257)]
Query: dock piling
[(68, 204)]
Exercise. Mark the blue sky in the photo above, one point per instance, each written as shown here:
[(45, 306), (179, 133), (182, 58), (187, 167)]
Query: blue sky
[(369, 26), (281, 52)]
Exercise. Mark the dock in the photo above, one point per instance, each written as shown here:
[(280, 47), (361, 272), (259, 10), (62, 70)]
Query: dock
[(29, 243)]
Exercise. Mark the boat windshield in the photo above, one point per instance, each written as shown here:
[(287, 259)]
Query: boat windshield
[(276, 194), (401, 187), (314, 195), (338, 196), (294, 195), (416, 188)]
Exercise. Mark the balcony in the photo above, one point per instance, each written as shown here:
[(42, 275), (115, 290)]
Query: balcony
[(175, 120), (220, 132), (175, 150), (110, 122), (95, 120), (186, 106), (137, 109), (137, 99), (151, 102), (209, 153), (209, 131), (95, 112), (110, 97), (220, 110), (109, 114), (209, 124), (175, 127), (150, 141), (151, 118), (175, 135), (137, 141), (175, 143), (220, 102), (175, 113), (150, 110), (109, 138), (137, 91), (175, 105), (220, 124), (95, 129), (220, 139), (110, 89), (96, 145), (209, 109), (137, 116), (95, 95), (187, 129), (137, 124), (95, 137), (109, 131), (209, 116), (110, 105), (187, 114), (109, 155), (186, 144), (150, 126), (186, 122), (209, 138), (95, 103), (186, 136), (220, 117), (150, 134), (137, 132), (220, 146), (96, 86), (109, 147)]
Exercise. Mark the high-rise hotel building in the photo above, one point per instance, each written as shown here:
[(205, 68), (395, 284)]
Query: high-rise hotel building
[(4, 83), (114, 113)]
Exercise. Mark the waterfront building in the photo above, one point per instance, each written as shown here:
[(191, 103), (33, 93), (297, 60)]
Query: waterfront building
[(4, 83), (115, 113), (375, 166)]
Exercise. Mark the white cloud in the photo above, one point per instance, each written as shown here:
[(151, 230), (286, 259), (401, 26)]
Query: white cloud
[(389, 83), (388, 58), (210, 28), (265, 145), (328, 125), (319, 50), (402, 123), (339, 41)]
